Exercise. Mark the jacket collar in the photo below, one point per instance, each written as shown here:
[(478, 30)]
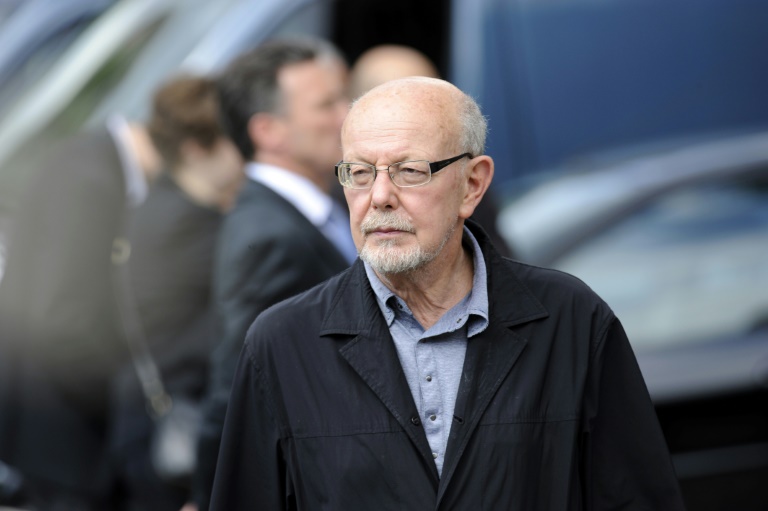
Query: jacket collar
[(510, 301), (489, 358)]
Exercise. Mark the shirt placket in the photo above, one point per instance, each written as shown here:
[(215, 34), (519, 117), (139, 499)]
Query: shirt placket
[(431, 409)]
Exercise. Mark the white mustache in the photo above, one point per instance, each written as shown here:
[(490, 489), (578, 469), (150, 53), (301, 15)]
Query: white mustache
[(376, 221)]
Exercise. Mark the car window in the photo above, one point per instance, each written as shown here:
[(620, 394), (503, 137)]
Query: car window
[(689, 266)]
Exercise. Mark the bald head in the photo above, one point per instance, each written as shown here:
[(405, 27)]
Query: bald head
[(388, 62), (433, 107)]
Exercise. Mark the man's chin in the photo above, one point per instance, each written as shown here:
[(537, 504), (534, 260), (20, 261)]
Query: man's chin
[(391, 260)]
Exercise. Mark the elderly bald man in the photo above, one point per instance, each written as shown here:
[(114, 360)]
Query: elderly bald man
[(434, 373)]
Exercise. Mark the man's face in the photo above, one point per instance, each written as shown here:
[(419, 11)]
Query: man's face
[(314, 105), (397, 230)]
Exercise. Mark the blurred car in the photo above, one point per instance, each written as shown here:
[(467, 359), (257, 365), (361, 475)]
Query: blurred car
[(677, 243)]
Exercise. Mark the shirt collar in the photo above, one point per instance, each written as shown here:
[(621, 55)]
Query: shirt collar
[(302, 193), (478, 301)]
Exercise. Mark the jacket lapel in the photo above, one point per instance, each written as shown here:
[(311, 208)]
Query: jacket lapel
[(490, 356), (372, 354)]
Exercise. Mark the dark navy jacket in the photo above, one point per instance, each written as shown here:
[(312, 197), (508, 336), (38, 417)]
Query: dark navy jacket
[(552, 411)]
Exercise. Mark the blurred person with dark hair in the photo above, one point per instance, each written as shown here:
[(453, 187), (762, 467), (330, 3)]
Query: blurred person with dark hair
[(283, 103), (386, 62), (60, 338), (172, 238)]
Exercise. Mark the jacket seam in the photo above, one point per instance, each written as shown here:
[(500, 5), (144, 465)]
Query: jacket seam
[(284, 432), (533, 420), (602, 335), (331, 434)]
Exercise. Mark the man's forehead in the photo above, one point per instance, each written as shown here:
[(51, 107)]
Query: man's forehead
[(403, 97), (377, 145), (401, 116), (391, 126), (415, 97)]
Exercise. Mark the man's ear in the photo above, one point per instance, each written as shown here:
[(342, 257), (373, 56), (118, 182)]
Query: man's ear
[(267, 132), (477, 178)]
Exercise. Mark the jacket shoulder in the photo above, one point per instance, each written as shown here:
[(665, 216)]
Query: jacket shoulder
[(300, 314), (556, 289)]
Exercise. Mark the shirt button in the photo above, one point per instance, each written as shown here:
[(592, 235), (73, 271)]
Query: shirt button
[(434, 455), (429, 378), (432, 417)]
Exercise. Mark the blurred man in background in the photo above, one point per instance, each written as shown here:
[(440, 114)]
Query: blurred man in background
[(60, 339), (283, 104)]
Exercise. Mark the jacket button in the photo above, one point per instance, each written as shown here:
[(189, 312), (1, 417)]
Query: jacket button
[(415, 421)]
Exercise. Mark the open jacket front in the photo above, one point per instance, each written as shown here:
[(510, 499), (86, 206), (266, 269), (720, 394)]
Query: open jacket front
[(552, 411)]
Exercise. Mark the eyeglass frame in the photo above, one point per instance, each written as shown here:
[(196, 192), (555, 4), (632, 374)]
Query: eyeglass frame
[(434, 168)]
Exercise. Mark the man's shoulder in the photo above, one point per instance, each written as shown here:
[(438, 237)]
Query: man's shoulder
[(546, 276), (299, 319), (551, 286), (255, 196), (312, 305), (262, 216)]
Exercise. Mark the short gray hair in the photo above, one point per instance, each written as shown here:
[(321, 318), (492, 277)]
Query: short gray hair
[(473, 126)]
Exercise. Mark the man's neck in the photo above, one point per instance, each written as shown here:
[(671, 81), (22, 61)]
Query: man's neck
[(435, 288)]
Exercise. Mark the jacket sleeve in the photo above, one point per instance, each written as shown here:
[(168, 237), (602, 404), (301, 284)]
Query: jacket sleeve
[(625, 461), (251, 472)]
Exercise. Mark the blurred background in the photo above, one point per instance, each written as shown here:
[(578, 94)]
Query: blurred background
[(630, 137)]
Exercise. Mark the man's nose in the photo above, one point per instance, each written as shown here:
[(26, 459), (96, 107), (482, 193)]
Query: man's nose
[(384, 191)]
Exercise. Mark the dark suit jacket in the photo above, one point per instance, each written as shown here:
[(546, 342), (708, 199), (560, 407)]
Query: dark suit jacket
[(551, 414), (58, 318), (267, 251)]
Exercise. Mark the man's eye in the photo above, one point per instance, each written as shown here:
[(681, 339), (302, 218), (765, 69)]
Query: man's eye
[(411, 170)]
